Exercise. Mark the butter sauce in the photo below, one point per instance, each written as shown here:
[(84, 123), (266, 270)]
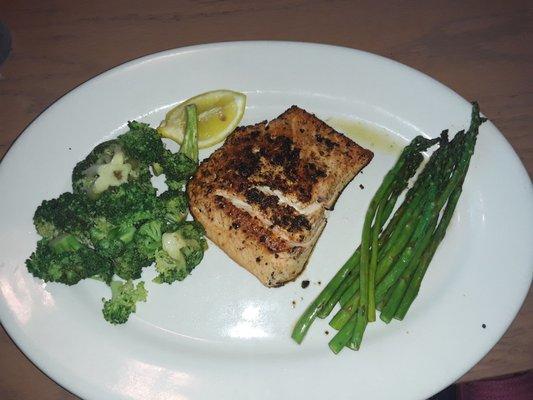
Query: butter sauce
[(367, 135)]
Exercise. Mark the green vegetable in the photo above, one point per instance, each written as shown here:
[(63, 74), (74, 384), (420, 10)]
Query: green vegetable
[(128, 204), (107, 165), (182, 251), (69, 213), (189, 147), (454, 189), (129, 264), (175, 205), (148, 239), (409, 159), (142, 143), (108, 239), (391, 263), (322, 305), (114, 223), (66, 260), (179, 167), (123, 302)]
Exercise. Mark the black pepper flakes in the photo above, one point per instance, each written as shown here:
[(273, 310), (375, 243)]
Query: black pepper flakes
[(361, 186), (483, 326), (305, 284), (326, 332)]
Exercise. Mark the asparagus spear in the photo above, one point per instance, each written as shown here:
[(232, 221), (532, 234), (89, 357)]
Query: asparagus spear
[(397, 290), (342, 337), (450, 196), (404, 174), (345, 313), (396, 293), (411, 156), (404, 303), (392, 242), (304, 322), (345, 286), (415, 244), (455, 188), (409, 210), (410, 153)]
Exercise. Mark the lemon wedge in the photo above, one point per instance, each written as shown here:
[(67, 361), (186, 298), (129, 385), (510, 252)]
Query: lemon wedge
[(219, 113)]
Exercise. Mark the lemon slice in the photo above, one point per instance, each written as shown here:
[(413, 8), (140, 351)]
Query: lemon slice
[(219, 113)]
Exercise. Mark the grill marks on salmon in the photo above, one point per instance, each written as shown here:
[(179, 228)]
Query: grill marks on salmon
[(263, 195)]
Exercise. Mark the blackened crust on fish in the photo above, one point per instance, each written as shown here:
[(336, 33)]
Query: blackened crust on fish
[(262, 196)]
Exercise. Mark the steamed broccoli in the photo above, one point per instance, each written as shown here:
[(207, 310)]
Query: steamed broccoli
[(125, 216), (65, 259), (124, 296), (178, 168), (109, 239), (175, 205), (69, 213), (129, 204), (148, 239), (108, 165), (129, 264), (115, 223), (182, 250), (142, 143)]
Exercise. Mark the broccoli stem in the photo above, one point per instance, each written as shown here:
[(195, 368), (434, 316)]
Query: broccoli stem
[(64, 243), (189, 147)]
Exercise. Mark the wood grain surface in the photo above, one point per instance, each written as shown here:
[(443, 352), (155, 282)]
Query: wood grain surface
[(481, 49)]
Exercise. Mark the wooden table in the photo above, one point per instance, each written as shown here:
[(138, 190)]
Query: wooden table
[(480, 49)]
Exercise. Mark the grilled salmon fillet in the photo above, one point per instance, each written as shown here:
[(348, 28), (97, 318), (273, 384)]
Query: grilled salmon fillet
[(262, 196)]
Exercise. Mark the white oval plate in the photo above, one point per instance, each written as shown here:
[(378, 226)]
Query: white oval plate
[(220, 334)]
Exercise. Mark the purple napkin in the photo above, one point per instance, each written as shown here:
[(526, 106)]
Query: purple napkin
[(513, 387)]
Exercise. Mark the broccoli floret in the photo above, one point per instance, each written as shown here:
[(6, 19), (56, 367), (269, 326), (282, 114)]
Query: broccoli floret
[(142, 143), (124, 296), (170, 269), (182, 250), (65, 259), (175, 205), (129, 264), (109, 239), (129, 204), (108, 165), (69, 213), (148, 239), (178, 169)]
